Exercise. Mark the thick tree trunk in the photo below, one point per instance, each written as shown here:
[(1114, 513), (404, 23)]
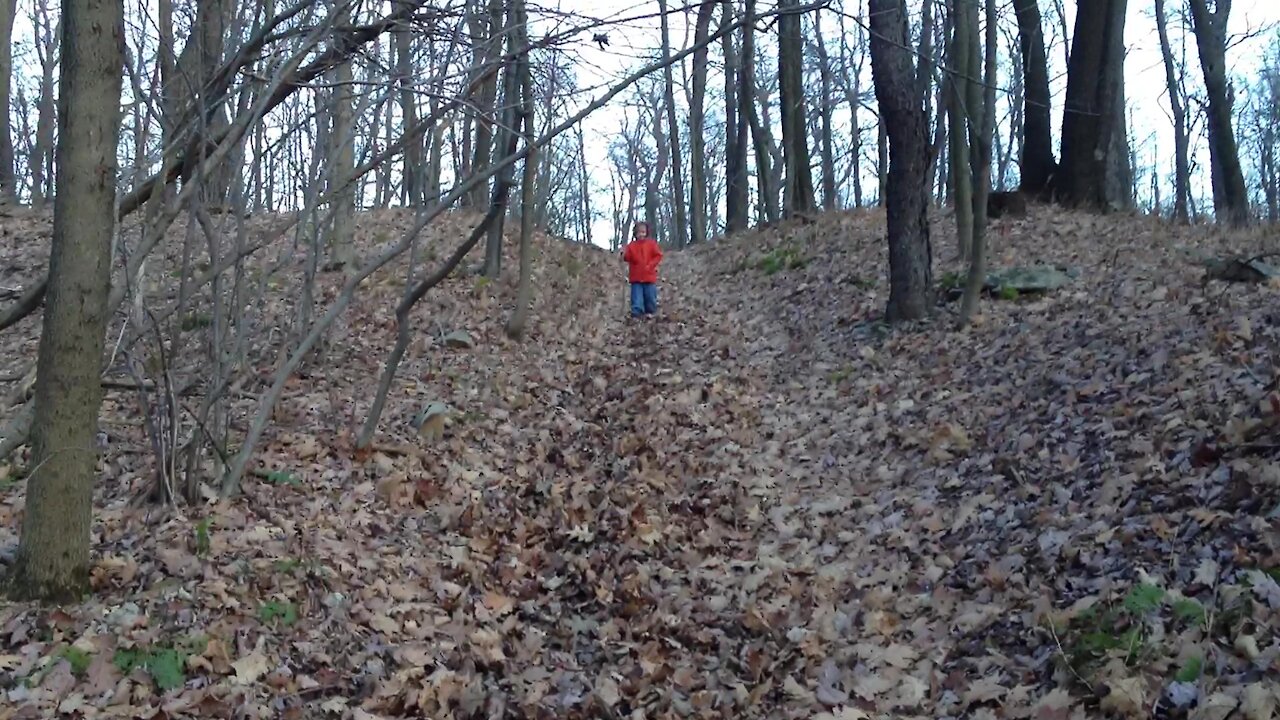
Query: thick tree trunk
[(53, 555), (798, 195), (737, 192), (681, 230), (905, 123), (697, 129), (1093, 121), (1037, 163), (8, 179), (341, 163), (1230, 196)]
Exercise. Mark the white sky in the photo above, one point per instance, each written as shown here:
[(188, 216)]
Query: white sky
[(1151, 128)]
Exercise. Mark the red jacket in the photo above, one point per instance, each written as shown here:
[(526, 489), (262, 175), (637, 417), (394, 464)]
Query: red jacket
[(643, 256)]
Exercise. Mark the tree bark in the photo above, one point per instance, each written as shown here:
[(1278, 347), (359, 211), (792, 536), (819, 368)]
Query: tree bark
[(737, 192), (1181, 143), (52, 563), (982, 129), (906, 196), (8, 178), (520, 315), (341, 161), (768, 195), (798, 195), (681, 230), (825, 133), (959, 117), (1037, 164), (1230, 196), (1093, 121), (697, 129)]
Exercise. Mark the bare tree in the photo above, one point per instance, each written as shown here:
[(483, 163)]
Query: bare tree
[(798, 195)]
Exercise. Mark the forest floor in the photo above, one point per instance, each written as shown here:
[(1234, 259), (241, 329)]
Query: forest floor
[(764, 503)]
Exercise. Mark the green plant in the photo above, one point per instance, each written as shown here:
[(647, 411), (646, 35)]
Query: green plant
[(1191, 670), (201, 533), (1008, 293), (282, 477), (195, 321), (779, 259), (165, 665), (78, 659), (573, 267), (951, 281), (284, 611)]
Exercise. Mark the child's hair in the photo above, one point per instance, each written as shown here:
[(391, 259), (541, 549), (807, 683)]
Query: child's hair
[(642, 224)]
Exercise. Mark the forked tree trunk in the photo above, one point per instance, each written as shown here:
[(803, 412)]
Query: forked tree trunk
[(906, 196), (798, 195), (53, 554), (1181, 144), (1230, 195)]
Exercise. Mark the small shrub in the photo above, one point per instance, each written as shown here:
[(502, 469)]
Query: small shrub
[(282, 477), (1008, 293), (165, 665), (286, 612), (201, 536), (779, 259), (78, 659), (573, 267), (196, 321)]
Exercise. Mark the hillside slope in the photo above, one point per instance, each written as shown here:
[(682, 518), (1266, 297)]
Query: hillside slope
[(763, 504)]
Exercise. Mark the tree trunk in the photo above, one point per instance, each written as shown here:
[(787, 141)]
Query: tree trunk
[(52, 563), (798, 195), (8, 179), (963, 30), (341, 157), (906, 125), (520, 316), (42, 156), (1093, 121), (510, 113), (681, 230), (485, 33), (768, 195), (1181, 144), (982, 127), (1230, 197), (737, 192), (825, 133), (1037, 163), (697, 129)]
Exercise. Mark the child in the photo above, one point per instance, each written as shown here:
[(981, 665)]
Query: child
[(643, 256)]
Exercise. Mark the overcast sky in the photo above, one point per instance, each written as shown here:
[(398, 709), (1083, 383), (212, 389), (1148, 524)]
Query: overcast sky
[(1145, 85)]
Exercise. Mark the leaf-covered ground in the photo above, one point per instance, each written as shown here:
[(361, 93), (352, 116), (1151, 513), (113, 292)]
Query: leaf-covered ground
[(762, 504)]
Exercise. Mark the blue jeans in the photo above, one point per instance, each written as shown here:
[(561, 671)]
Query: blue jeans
[(644, 299)]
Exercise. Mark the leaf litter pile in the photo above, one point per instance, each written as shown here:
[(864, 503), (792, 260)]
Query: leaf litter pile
[(763, 504)]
